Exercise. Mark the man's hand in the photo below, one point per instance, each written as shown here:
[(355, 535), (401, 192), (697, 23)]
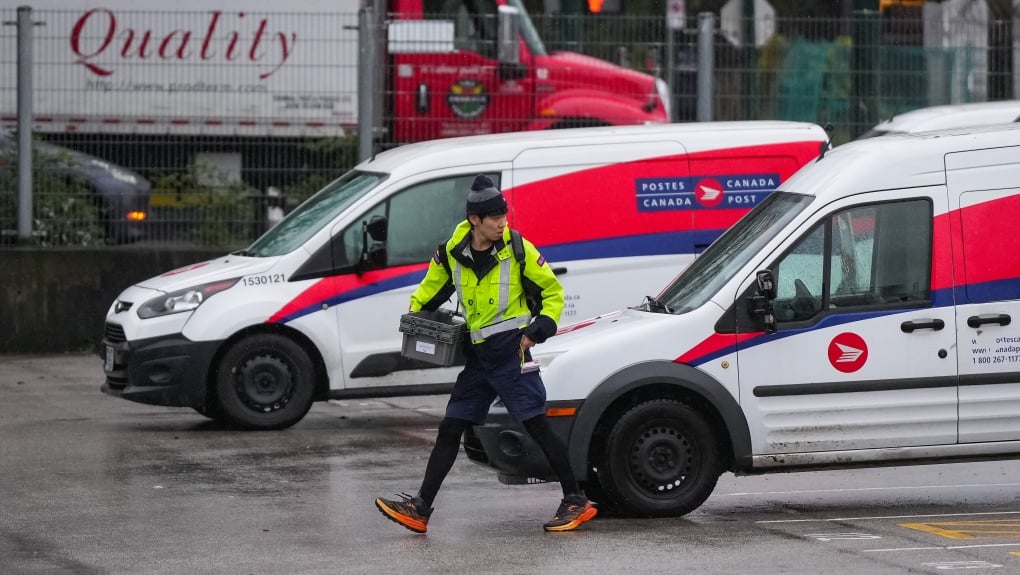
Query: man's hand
[(526, 343)]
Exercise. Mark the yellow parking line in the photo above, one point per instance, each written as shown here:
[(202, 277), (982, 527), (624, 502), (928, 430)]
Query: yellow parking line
[(968, 529)]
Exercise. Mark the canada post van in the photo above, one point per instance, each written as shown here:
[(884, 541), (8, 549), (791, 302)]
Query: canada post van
[(310, 311), (859, 316)]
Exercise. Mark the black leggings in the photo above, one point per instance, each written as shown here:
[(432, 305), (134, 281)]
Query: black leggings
[(444, 453)]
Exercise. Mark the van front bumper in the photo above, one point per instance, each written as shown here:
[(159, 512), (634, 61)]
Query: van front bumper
[(503, 445), (168, 370)]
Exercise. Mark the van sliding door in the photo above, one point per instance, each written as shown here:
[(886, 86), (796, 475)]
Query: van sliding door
[(864, 355), (983, 185)]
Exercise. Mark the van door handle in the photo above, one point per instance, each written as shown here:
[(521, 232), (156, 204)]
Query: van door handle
[(932, 324), (422, 103), (980, 320), (559, 271)]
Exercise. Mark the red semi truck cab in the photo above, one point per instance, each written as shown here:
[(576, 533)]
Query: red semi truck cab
[(465, 67)]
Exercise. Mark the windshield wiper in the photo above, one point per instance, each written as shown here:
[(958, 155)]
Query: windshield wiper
[(244, 252), (653, 305)]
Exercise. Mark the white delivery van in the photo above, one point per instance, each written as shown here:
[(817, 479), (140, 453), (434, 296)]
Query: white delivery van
[(310, 311), (949, 116), (859, 316)]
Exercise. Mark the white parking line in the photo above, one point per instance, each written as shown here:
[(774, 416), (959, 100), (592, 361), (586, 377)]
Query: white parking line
[(856, 489), (889, 517), (938, 547)]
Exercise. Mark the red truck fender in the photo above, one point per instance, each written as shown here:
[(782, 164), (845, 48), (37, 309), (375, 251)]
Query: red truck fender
[(575, 108)]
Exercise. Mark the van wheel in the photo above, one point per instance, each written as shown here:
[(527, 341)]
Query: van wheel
[(206, 412), (594, 491), (661, 459), (265, 381)]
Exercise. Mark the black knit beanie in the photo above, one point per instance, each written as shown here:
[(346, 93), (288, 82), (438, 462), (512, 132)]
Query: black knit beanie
[(484, 199)]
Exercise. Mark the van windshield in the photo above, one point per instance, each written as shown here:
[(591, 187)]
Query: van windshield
[(313, 214), (731, 252)]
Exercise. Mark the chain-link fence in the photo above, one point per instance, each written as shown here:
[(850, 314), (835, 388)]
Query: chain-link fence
[(203, 126)]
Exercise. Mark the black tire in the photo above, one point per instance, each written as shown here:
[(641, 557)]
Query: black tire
[(594, 491), (212, 412), (265, 382), (661, 459)]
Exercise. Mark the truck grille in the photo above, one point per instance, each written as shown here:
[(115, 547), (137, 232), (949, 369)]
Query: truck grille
[(115, 333)]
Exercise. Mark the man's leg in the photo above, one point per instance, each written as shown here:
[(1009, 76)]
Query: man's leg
[(414, 512), (524, 396), (575, 508), (469, 401), (444, 454), (555, 452)]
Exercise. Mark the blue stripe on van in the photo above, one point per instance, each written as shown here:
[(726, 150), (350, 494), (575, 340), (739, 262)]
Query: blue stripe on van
[(396, 282), (941, 298), (687, 242)]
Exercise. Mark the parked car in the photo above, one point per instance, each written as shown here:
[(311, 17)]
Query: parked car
[(121, 196), (948, 117)]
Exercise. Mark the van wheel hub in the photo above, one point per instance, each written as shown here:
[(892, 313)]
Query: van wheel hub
[(264, 383), (660, 459)]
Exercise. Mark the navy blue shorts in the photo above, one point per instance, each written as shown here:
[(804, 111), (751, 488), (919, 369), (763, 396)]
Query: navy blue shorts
[(523, 394)]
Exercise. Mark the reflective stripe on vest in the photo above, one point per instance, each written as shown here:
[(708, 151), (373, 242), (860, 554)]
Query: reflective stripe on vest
[(491, 330), (503, 304), (504, 289)]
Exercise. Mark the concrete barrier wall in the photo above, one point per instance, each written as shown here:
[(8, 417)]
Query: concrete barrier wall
[(55, 300)]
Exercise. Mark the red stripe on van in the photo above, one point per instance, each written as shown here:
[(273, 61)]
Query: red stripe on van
[(330, 288), (990, 248), (942, 255), (607, 195), (713, 344), (319, 291)]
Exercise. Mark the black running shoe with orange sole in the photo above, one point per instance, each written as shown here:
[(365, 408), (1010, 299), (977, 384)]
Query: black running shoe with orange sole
[(572, 513), (411, 512)]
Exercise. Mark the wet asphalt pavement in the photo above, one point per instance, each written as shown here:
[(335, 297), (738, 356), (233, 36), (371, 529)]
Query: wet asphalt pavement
[(94, 484)]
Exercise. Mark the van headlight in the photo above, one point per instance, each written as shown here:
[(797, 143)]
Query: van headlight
[(183, 300)]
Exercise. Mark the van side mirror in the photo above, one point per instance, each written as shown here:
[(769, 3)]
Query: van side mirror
[(375, 257), (761, 301), (373, 254), (766, 285), (377, 227), (509, 36)]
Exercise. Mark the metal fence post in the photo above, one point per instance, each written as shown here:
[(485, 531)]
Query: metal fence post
[(706, 63), (366, 82), (935, 54), (1016, 49), (670, 75), (750, 38), (24, 124), (864, 62)]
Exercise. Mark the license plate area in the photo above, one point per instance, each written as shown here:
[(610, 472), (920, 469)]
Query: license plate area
[(108, 362)]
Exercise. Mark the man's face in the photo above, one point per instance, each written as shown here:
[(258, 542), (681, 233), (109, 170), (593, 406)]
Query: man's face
[(490, 227)]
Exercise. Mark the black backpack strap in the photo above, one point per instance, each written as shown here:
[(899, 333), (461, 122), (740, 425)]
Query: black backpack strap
[(532, 294), (444, 259), (517, 243)]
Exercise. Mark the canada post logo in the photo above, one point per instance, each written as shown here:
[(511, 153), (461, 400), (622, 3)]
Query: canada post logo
[(703, 192)]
